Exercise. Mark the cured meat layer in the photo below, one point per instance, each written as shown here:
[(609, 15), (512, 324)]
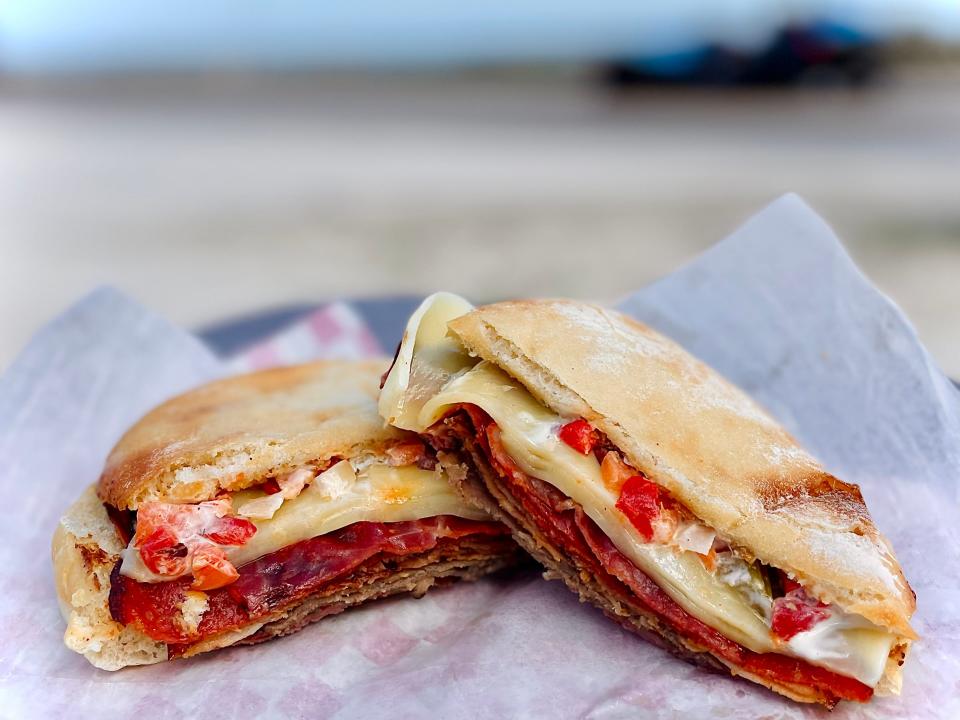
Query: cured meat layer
[(556, 531), (348, 563)]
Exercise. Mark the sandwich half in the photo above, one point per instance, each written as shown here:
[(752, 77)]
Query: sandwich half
[(252, 506), (657, 491)]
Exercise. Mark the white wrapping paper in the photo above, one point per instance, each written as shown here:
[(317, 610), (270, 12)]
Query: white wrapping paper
[(778, 307)]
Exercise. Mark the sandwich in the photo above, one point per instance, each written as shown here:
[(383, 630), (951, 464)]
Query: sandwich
[(657, 491), (252, 506)]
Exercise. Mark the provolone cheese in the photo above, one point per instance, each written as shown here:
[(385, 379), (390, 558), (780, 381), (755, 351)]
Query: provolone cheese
[(427, 358), (847, 644)]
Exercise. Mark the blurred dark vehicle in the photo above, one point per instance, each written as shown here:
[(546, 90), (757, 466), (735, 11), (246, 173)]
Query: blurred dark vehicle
[(821, 53)]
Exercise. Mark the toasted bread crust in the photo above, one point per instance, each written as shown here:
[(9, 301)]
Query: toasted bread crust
[(85, 548), (233, 433), (703, 439)]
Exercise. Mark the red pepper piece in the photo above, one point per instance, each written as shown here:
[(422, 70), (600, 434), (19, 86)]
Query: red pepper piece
[(796, 612), (788, 584), (579, 435), (271, 486), (163, 554), (211, 569), (231, 531), (640, 502)]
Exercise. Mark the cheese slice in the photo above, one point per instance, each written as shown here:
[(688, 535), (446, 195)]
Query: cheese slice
[(335, 499), (848, 645), (427, 358)]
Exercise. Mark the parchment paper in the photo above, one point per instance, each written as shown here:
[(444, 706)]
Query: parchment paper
[(778, 307)]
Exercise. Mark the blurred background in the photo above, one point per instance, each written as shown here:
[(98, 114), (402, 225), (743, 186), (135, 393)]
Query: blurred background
[(218, 159)]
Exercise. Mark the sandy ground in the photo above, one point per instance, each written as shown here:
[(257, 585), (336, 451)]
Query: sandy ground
[(209, 197)]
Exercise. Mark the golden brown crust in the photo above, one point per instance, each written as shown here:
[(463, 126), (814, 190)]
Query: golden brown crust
[(710, 445), (233, 433)]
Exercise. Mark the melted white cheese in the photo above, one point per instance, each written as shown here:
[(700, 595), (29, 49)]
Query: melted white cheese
[(736, 606), (427, 358), (379, 493), (847, 644)]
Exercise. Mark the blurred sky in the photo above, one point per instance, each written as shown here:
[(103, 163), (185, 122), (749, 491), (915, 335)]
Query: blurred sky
[(58, 35)]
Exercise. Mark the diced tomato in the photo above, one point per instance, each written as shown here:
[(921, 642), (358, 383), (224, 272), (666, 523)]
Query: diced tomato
[(151, 516), (163, 554), (796, 612), (640, 502), (211, 569), (170, 535), (579, 435), (230, 531), (271, 486)]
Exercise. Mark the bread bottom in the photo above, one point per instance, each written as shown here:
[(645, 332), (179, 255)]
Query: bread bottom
[(480, 485)]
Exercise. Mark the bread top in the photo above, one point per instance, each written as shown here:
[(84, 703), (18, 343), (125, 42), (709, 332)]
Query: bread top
[(234, 433), (704, 440)]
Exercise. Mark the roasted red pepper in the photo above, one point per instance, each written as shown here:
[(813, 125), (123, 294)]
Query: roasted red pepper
[(211, 569), (173, 538), (640, 502), (796, 612), (270, 487), (163, 554), (579, 435), (231, 531)]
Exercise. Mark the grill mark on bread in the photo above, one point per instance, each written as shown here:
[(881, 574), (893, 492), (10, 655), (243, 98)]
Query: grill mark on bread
[(822, 489), (93, 556)]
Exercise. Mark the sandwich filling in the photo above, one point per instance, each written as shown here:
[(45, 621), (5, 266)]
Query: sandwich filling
[(191, 572), (573, 482)]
